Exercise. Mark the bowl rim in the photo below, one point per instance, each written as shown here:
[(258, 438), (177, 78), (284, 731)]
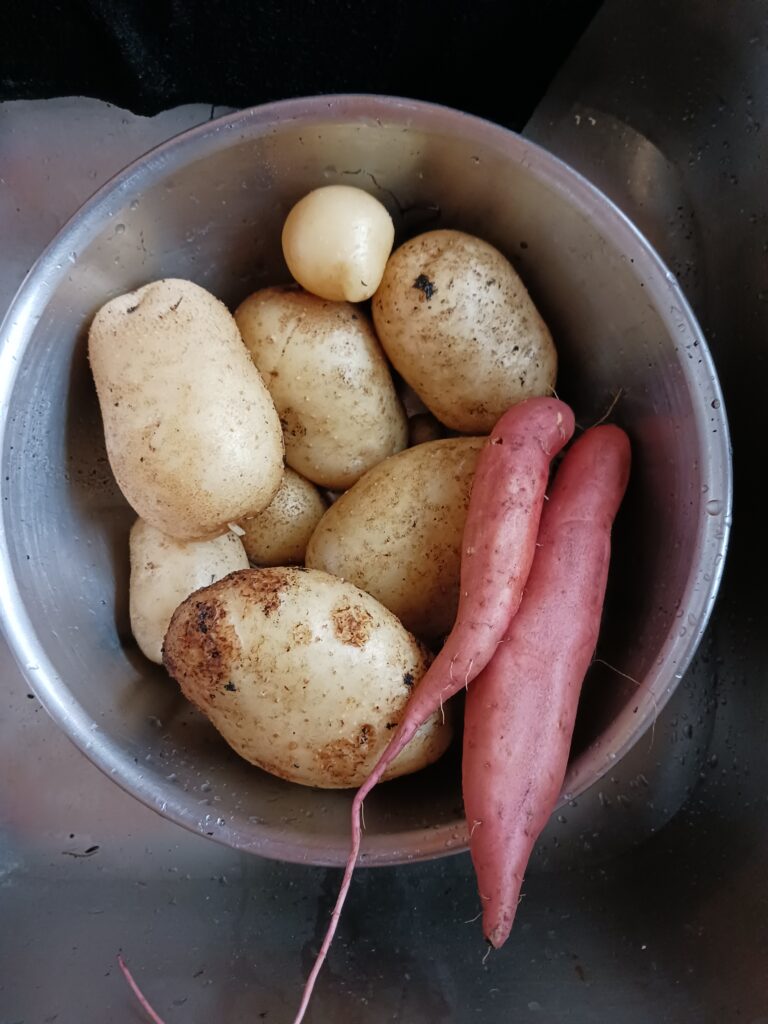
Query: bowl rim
[(712, 532)]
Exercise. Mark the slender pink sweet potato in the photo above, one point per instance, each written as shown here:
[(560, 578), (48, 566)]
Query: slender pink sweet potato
[(521, 710), (498, 547)]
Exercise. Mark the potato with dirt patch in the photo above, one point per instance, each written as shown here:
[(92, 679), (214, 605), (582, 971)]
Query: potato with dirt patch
[(459, 326), (165, 571), (303, 674)]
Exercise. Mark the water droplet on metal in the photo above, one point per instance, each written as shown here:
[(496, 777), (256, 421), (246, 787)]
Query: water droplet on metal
[(119, 229), (714, 507)]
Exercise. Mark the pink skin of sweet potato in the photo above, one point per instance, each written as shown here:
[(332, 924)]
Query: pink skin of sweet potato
[(521, 710), (498, 548)]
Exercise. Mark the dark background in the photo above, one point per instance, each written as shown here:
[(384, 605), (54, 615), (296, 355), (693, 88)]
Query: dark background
[(488, 57)]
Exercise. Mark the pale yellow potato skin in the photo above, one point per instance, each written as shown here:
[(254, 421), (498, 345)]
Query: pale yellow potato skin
[(457, 323), (303, 675), (397, 533), (279, 535), (165, 571), (336, 241), (329, 380), (192, 434)]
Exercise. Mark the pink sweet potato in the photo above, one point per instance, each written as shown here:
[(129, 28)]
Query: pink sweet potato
[(520, 712), (498, 547)]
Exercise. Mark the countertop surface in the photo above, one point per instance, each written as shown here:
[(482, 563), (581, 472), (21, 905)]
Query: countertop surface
[(664, 105)]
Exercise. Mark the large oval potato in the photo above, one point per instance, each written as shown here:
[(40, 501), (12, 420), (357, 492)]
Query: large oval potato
[(329, 380), (279, 535), (458, 324), (303, 674), (397, 533), (165, 571), (192, 434)]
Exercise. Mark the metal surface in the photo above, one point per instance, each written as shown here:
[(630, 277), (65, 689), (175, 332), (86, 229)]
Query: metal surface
[(674, 932), (209, 206)]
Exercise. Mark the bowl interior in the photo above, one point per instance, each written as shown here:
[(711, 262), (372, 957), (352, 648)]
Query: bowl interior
[(210, 207)]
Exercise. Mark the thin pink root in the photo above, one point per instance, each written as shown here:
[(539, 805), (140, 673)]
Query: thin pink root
[(357, 804), (138, 993), (466, 674), (401, 738), (450, 669)]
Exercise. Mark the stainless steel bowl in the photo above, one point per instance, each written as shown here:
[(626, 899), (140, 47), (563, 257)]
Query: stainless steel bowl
[(209, 206)]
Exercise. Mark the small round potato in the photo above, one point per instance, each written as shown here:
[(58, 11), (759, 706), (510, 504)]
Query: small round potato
[(336, 241), (303, 675), (458, 324), (192, 435), (165, 571), (397, 533), (279, 535), (329, 380)]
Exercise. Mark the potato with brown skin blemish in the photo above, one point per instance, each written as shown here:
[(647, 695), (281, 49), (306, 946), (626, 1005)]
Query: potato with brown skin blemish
[(329, 380), (165, 571), (459, 326), (397, 533), (352, 624), (279, 535), (303, 674), (192, 434)]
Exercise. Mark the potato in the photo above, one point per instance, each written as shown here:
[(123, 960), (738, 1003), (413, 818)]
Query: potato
[(397, 533), (279, 534), (459, 326), (329, 380), (192, 435), (303, 674), (336, 241), (165, 571)]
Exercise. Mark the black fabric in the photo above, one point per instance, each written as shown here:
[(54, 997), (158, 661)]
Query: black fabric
[(488, 57)]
